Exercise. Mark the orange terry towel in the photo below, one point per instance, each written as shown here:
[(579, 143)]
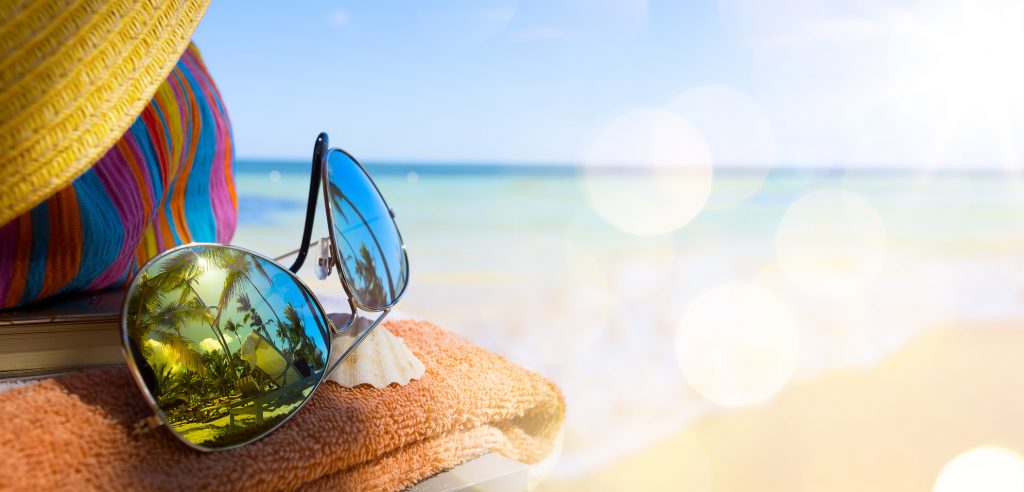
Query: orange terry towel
[(74, 431)]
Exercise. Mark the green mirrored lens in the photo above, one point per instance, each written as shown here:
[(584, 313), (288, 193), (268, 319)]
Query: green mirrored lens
[(228, 344)]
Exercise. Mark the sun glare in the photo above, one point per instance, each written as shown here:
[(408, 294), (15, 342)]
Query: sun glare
[(989, 468), (980, 57), (958, 66)]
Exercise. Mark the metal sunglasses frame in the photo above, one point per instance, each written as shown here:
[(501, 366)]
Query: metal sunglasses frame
[(319, 178), (158, 418)]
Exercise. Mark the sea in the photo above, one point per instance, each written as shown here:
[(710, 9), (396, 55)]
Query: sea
[(652, 300)]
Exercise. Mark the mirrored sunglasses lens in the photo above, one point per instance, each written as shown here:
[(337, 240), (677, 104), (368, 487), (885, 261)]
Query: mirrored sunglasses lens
[(227, 343), (367, 238)]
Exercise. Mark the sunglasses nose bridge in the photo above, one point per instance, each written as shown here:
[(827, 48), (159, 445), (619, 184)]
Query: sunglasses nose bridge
[(325, 259)]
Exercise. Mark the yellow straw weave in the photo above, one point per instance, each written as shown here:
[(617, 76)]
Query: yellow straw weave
[(74, 75)]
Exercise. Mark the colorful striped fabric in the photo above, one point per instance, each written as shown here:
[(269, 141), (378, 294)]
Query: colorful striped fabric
[(168, 181)]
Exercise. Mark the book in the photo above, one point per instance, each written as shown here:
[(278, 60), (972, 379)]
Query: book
[(62, 334)]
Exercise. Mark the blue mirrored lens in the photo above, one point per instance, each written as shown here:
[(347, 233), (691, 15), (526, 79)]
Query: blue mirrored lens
[(368, 242)]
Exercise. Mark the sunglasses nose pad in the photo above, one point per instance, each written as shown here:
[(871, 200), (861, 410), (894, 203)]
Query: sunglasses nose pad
[(324, 263)]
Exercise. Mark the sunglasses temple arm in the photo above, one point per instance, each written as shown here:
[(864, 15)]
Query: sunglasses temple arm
[(358, 341), (314, 188), (292, 252)]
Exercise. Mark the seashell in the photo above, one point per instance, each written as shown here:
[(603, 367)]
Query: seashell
[(381, 359)]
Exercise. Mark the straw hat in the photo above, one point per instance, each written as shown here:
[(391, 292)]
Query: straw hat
[(74, 75)]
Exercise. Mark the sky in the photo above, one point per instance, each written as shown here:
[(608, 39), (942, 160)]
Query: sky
[(743, 82)]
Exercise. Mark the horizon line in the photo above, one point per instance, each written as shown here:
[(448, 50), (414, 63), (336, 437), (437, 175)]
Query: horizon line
[(553, 165)]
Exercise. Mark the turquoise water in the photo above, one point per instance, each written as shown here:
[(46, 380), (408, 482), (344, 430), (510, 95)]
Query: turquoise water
[(523, 262)]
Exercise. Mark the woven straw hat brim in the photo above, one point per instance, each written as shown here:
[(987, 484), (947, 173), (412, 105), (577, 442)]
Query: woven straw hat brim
[(74, 75)]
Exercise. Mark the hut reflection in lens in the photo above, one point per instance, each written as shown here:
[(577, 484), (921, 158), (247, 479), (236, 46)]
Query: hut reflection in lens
[(228, 343)]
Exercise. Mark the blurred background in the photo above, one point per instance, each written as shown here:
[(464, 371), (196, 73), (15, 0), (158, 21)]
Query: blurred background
[(759, 247)]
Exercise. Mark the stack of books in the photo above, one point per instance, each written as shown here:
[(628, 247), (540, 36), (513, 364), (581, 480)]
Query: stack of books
[(62, 334)]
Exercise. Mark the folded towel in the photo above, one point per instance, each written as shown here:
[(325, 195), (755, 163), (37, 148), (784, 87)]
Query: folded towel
[(73, 432)]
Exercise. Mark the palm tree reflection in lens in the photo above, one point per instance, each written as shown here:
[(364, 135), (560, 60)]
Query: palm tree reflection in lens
[(233, 343), (367, 278)]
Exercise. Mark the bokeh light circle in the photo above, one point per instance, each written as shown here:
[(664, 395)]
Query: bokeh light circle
[(831, 243), (648, 172), (738, 133), (989, 468), (737, 345)]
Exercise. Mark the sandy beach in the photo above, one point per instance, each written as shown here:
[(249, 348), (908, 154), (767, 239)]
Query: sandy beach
[(891, 427)]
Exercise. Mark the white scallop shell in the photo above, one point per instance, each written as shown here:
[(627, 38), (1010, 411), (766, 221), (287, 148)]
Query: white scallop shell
[(380, 359)]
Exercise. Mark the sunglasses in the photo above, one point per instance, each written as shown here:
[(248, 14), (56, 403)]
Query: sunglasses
[(226, 344)]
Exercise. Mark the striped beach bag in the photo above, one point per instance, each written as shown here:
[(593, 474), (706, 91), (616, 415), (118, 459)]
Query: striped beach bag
[(167, 181)]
